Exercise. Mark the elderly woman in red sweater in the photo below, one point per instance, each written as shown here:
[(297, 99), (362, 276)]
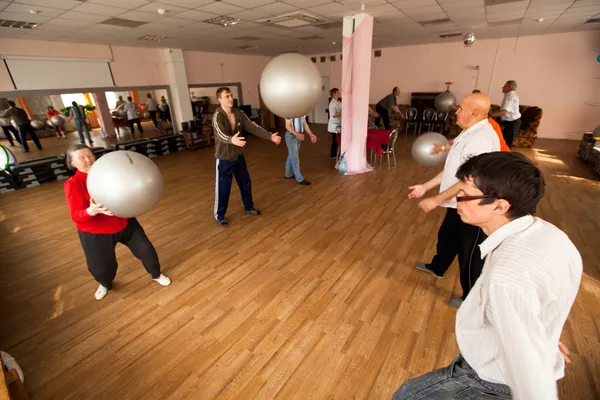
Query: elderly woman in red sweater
[(100, 231)]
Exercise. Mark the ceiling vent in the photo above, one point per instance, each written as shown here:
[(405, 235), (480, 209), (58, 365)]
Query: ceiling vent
[(496, 24), (247, 38), (450, 35), (488, 3), (223, 20), (124, 23), (313, 37), (293, 20), (17, 24), (592, 21), (435, 22), (247, 47), (154, 38)]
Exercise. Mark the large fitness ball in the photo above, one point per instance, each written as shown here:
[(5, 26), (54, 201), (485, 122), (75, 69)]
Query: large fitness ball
[(424, 144), (35, 124), (58, 120), (290, 85), (444, 101), (125, 182)]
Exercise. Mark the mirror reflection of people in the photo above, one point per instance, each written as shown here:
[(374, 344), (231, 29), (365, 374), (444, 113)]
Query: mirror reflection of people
[(100, 231), (59, 130), (77, 113), (152, 107), (21, 119)]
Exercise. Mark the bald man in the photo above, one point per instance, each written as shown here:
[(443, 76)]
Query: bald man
[(456, 238)]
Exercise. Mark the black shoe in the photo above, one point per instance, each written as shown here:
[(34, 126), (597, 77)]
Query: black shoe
[(223, 222), (290, 177), (254, 211), (304, 183)]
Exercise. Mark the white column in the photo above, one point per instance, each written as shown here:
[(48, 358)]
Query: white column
[(181, 105)]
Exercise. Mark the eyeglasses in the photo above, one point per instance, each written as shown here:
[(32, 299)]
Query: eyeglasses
[(469, 198)]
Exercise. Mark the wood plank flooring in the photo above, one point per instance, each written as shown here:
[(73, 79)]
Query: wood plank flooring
[(316, 299)]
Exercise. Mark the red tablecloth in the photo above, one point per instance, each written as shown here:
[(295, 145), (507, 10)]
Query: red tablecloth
[(375, 138)]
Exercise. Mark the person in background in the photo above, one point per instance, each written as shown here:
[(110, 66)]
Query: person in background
[(77, 113), (21, 119), (509, 112), (456, 238), (293, 137), (10, 131), (508, 329), (387, 104), (131, 109), (119, 102), (228, 124), (100, 231), (164, 113), (59, 130), (152, 106), (335, 120)]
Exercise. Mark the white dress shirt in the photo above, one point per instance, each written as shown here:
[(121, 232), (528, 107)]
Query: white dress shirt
[(131, 109), (478, 139), (510, 103), (509, 326), (334, 108)]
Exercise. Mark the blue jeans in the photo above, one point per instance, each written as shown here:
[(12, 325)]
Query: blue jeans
[(292, 165), (457, 381), (81, 126)]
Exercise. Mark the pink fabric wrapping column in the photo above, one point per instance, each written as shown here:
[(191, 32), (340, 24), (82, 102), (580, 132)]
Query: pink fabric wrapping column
[(356, 81), (104, 115)]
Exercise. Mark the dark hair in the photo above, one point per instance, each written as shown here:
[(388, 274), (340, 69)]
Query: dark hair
[(394, 89), (506, 175), (221, 90), (129, 98), (476, 91), (333, 91), (11, 103), (73, 149), (74, 104), (50, 106)]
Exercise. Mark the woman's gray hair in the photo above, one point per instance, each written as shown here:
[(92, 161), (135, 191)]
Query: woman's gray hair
[(512, 85), (73, 149)]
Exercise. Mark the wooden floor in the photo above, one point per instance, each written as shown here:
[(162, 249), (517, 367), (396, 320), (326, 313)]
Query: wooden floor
[(316, 299)]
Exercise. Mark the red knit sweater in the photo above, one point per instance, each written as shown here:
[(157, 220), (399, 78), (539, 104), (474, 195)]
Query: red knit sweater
[(78, 199)]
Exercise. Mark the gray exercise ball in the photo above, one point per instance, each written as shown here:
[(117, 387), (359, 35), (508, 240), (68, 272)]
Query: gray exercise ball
[(290, 85), (58, 120), (596, 132), (127, 183), (424, 144), (444, 100), (35, 124), (49, 123)]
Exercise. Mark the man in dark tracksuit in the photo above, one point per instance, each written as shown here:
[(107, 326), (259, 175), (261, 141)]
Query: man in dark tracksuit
[(228, 124)]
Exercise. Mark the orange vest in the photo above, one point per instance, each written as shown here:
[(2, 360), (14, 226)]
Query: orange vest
[(503, 145)]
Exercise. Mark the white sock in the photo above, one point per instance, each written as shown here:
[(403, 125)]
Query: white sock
[(100, 292), (163, 280)]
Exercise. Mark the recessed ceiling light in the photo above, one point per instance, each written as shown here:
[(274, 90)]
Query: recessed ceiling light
[(34, 12), (161, 11), (538, 20), (223, 20)]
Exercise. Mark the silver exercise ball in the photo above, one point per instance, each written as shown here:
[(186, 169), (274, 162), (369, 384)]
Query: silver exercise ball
[(58, 120), (35, 124), (125, 182), (290, 85), (444, 100), (49, 123), (596, 132), (424, 144), (4, 122)]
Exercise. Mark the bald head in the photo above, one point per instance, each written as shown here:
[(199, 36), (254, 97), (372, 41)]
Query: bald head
[(472, 109)]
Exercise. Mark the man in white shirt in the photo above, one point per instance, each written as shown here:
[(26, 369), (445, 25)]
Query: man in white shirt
[(130, 109), (152, 107), (335, 120), (509, 112), (509, 327), (456, 238), (294, 135)]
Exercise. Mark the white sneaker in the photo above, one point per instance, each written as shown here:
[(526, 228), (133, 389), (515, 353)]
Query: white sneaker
[(101, 292), (163, 280)]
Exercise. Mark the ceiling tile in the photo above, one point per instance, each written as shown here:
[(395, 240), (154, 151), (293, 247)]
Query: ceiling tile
[(11, 32), (409, 4), (130, 4), (68, 23), (327, 9), (274, 9), (79, 16), (247, 15), (412, 12), (58, 28), (356, 4), (171, 9), (220, 8), (250, 4), (24, 9), (40, 19), (195, 15), (188, 3), (463, 5), (61, 4), (91, 8), (140, 16)]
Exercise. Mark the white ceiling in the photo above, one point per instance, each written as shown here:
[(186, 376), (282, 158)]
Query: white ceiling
[(397, 21)]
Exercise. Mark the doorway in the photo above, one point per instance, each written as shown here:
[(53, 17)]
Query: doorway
[(319, 114)]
